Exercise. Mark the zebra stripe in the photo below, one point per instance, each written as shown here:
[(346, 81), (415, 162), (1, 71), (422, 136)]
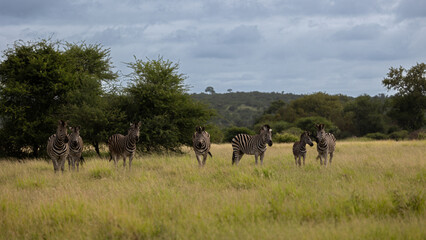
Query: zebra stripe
[(251, 145), (326, 144), (124, 146), (75, 145), (201, 145), (57, 147), (299, 148)]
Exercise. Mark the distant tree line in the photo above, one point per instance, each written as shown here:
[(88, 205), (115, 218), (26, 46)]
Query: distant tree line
[(44, 81)]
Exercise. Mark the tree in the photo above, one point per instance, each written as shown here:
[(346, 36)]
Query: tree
[(367, 115), (210, 90), (91, 67), (44, 81), (34, 82), (160, 100), (409, 103)]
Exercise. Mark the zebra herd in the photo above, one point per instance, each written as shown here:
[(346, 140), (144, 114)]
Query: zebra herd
[(61, 146), (256, 145)]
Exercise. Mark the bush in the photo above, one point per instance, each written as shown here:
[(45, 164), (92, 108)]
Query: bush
[(399, 135), (231, 132), (285, 138), (277, 127), (216, 135), (377, 136)]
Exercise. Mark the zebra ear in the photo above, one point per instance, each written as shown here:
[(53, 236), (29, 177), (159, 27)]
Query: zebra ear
[(202, 129), (139, 124)]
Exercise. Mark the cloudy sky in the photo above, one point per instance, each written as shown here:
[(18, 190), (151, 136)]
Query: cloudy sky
[(296, 46)]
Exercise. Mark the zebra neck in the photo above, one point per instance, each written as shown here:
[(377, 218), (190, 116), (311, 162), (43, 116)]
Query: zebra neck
[(131, 142)]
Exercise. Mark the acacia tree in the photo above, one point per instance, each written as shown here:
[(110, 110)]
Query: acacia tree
[(159, 98), (33, 85), (87, 104), (409, 103), (41, 82)]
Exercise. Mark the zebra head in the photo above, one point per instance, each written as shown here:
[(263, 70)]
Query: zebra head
[(266, 133), (304, 138), (74, 137), (134, 131), (199, 129), (320, 131), (199, 138), (61, 131)]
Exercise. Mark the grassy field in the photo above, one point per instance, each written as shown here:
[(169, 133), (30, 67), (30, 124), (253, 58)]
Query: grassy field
[(372, 190)]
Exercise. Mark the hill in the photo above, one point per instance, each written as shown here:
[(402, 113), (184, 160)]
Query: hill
[(241, 108)]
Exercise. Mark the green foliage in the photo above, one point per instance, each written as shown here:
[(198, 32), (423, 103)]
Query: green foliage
[(377, 136), (231, 132), (241, 108), (42, 82), (216, 134), (399, 135), (309, 124), (277, 127), (285, 138), (367, 115), (159, 99), (34, 81), (409, 103), (318, 104)]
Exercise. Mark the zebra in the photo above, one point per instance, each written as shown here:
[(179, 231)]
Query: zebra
[(252, 145), (57, 147), (75, 145), (124, 146), (299, 148), (326, 144), (201, 144)]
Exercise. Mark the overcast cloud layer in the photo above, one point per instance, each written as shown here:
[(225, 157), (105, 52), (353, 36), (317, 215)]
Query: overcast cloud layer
[(297, 46)]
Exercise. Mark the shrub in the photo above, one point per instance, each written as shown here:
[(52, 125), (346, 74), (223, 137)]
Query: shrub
[(377, 136), (285, 138), (399, 135), (233, 131)]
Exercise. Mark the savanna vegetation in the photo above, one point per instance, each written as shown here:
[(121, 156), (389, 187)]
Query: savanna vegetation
[(372, 190), (44, 81)]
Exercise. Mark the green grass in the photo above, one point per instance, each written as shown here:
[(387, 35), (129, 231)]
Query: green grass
[(372, 190)]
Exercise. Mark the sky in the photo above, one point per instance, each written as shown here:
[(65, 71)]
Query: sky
[(292, 46)]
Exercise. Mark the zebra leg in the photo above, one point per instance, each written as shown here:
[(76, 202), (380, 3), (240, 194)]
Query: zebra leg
[(62, 164), (325, 159), (69, 164), (204, 159), (304, 156), (77, 165), (320, 158), (130, 161), (261, 158), (255, 158), (331, 157), (124, 161), (295, 160), (55, 164), (198, 159)]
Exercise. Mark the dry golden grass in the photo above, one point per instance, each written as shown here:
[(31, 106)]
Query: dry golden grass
[(372, 190)]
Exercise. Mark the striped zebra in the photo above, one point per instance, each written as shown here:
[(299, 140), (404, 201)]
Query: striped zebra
[(299, 148), (252, 145), (124, 146), (201, 145), (325, 145), (75, 145), (57, 147)]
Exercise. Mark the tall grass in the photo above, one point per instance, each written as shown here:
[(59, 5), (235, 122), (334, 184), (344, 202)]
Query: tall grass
[(372, 190)]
